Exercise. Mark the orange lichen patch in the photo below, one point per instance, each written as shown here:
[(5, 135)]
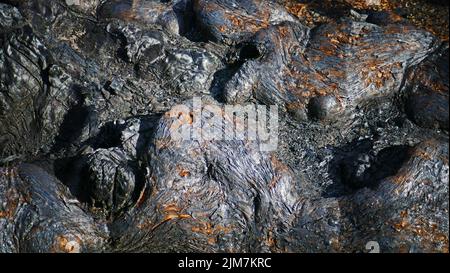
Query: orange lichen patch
[(422, 153), (376, 73), (222, 29), (393, 29), (235, 21), (305, 13), (304, 85), (208, 229), (63, 244), (278, 165), (264, 19), (292, 106), (10, 210), (370, 4), (334, 87), (127, 15), (403, 213), (312, 13), (394, 17), (13, 199), (355, 4), (401, 177), (425, 150), (317, 58), (444, 159), (283, 31), (340, 37), (271, 241), (183, 172), (425, 15), (146, 224), (273, 182), (182, 117), (436, 86), (328, 50), (423, 77), (142, 196), (205, 6), (245, 25), (402, 224), (298, 9), (335, 244), (427, 232), (172, 211), (212, 240), (280, 170), (428, 16), (334, 41), (403, 248), (379, 79), (162, 143)]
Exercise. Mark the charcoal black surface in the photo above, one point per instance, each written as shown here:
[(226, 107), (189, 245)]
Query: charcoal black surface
[(427, 91), (39, 215), (88, 96)]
